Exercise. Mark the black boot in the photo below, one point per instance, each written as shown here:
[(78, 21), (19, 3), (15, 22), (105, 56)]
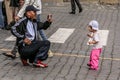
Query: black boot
[(72, 12), (80, 10)]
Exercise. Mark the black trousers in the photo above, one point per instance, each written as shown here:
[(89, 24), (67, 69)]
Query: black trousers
[(38, 50), (73, 5)]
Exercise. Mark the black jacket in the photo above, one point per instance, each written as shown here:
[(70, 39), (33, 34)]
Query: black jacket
[(19, 29), (14, 3)]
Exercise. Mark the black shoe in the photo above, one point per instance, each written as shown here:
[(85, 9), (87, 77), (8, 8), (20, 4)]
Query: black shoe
[(3, 28), (9, 55), (89, 65), (80, 10), (72, 12), (92, 69)]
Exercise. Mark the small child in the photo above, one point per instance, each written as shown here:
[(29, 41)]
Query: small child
[(93, 28)]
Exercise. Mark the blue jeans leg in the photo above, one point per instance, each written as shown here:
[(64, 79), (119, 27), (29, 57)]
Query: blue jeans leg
[(42, 34), (42, 54), (1, 16)]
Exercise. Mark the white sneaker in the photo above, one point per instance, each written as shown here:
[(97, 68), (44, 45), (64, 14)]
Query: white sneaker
[(50, 53)]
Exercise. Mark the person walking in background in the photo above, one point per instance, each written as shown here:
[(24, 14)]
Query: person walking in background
[(11, 7), (29, 46), (95, 40), (73, 6), (4, 14), (19, 3), (1, 16), (14, 4)]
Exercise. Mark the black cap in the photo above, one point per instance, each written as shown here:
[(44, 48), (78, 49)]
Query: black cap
[(31, 8)]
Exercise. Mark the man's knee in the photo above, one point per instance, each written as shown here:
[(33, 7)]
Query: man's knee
[(47, 42)]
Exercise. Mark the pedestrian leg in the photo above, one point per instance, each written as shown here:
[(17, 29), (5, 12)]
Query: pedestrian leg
[(79, 5), (42, 54), (73, 7)]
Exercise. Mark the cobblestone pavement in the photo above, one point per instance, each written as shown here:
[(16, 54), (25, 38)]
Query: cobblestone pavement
[(70, 59)]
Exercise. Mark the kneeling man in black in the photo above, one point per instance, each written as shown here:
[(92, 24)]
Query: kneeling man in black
[(29, 47)]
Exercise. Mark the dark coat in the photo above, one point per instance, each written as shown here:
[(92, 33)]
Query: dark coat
[(14, 3), (19, 29)]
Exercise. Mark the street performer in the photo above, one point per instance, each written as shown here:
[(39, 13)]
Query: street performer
[(30, 48)]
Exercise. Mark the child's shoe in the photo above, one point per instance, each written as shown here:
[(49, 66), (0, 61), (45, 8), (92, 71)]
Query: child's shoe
[(93, 69), (89, 65)]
